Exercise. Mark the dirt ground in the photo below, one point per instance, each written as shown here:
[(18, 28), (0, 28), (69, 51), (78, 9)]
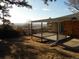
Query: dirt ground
[(32, 49), (37, 50)]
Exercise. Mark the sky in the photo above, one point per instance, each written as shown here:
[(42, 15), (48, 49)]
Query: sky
[(39, 11)]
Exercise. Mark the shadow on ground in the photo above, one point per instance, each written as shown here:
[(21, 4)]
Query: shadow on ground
[(73, 49)]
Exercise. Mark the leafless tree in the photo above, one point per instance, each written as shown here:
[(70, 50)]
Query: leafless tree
[(73, 5)]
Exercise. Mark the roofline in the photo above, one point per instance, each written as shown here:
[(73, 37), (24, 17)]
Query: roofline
[(58, 19)]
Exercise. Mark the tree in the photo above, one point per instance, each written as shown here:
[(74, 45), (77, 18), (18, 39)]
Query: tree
[(6, 27), (73, 5), (6, 4)]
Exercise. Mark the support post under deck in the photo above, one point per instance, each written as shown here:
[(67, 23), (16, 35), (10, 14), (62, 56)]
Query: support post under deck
[(58, 29), (41, 31), (31, 30)]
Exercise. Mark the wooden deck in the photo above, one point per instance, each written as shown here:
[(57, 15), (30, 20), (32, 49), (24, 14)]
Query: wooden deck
[(50, 36), (44, 34), (72, 43)]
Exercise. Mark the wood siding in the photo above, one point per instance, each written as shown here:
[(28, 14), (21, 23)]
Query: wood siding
[(76, 29), (67, 27), (71, 28)]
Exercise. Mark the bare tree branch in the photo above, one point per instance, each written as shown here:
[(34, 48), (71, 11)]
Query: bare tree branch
[(74, 4), (19, 3), (46, 1)]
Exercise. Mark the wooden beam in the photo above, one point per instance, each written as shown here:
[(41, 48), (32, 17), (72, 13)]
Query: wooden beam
[(41, 30), (31, 30), (58, 29)]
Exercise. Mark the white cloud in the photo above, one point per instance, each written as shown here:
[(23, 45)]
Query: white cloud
[(46, 9)]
